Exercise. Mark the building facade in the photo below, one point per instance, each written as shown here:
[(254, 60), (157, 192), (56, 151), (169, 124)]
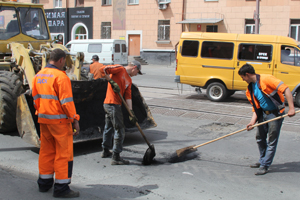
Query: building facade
[(152, 28)]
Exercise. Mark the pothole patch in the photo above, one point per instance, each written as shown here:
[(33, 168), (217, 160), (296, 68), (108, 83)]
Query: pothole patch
[(213, 130)]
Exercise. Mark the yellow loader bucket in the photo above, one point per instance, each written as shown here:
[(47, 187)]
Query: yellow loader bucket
[(88, 97)]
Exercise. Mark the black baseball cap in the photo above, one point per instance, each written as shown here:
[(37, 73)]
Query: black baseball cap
[(138, 65), (95, 57)]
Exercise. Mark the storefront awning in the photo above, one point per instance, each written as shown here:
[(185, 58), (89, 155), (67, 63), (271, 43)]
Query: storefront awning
[(201, 21)]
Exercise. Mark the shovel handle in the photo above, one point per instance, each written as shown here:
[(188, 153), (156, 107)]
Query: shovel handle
[(137, 124), (255, 125)]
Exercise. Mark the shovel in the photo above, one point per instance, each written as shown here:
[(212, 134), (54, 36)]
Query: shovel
[(150, 153)]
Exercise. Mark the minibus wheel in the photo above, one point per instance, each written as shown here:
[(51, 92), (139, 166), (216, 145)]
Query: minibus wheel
[(297, 98), (216, 91)]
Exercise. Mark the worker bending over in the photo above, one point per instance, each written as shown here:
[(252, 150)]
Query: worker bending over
[(119, 79)]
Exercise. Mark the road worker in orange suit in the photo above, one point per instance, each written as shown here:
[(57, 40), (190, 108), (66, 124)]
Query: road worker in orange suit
[(53, 101), (95, 67), (119, 79)]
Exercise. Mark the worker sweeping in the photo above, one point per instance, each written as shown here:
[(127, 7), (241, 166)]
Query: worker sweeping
[(53, 101), (119, 79), (265, 93)]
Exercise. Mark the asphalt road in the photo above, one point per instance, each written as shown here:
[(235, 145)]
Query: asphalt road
[(216, 171)]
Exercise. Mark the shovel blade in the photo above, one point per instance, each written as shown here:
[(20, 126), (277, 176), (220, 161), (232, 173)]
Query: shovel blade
[(149, 155)]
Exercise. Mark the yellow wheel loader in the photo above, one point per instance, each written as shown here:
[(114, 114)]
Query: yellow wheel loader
[(25, 46)]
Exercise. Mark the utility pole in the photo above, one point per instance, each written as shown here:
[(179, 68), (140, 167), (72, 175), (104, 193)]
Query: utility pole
[(257, 18)]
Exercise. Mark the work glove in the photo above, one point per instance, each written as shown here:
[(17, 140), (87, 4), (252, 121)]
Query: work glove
[(114, 86), (132, 118)]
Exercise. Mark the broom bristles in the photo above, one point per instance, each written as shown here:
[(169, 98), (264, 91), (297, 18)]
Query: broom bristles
[(185, 150), (183, 154)]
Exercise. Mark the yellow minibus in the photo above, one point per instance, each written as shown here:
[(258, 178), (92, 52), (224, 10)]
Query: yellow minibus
[(212, 61)]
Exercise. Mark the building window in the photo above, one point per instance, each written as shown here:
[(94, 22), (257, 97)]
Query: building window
[(106, 30), (79, 3), (164, 1), (106, 2), (133, 2), (57, 3), (295, 29), (212, 28), (35, 1), (249, 26), (80, 33), (163, 30)]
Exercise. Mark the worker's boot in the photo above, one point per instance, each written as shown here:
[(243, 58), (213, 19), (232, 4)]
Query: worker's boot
[(117, 160), (106, 153)]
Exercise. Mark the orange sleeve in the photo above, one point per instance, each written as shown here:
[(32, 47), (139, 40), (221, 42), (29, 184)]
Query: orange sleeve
[(111, 69), (276, 83), (36, 102), (65, 96), (102, 71)]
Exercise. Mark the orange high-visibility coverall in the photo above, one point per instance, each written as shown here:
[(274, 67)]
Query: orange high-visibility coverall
[(95, 70), (53, 100)]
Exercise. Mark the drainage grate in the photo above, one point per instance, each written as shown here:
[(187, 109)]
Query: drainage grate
[(173, 112)]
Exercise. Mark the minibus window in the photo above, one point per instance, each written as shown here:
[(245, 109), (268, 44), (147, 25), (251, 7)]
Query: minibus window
[(219, 50), (290, 55), (95, 48), (255, 52), (297, 57), (263, 53), (117, 48), (190, 48), (246, 52)]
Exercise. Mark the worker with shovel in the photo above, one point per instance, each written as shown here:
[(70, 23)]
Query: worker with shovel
[(119, 79), (265, 93)]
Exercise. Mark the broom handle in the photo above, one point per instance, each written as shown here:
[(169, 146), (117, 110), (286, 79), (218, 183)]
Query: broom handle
[(137, 124), (255, 125)]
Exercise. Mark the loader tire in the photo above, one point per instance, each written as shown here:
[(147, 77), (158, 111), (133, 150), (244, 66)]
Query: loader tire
[(10, 88)]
